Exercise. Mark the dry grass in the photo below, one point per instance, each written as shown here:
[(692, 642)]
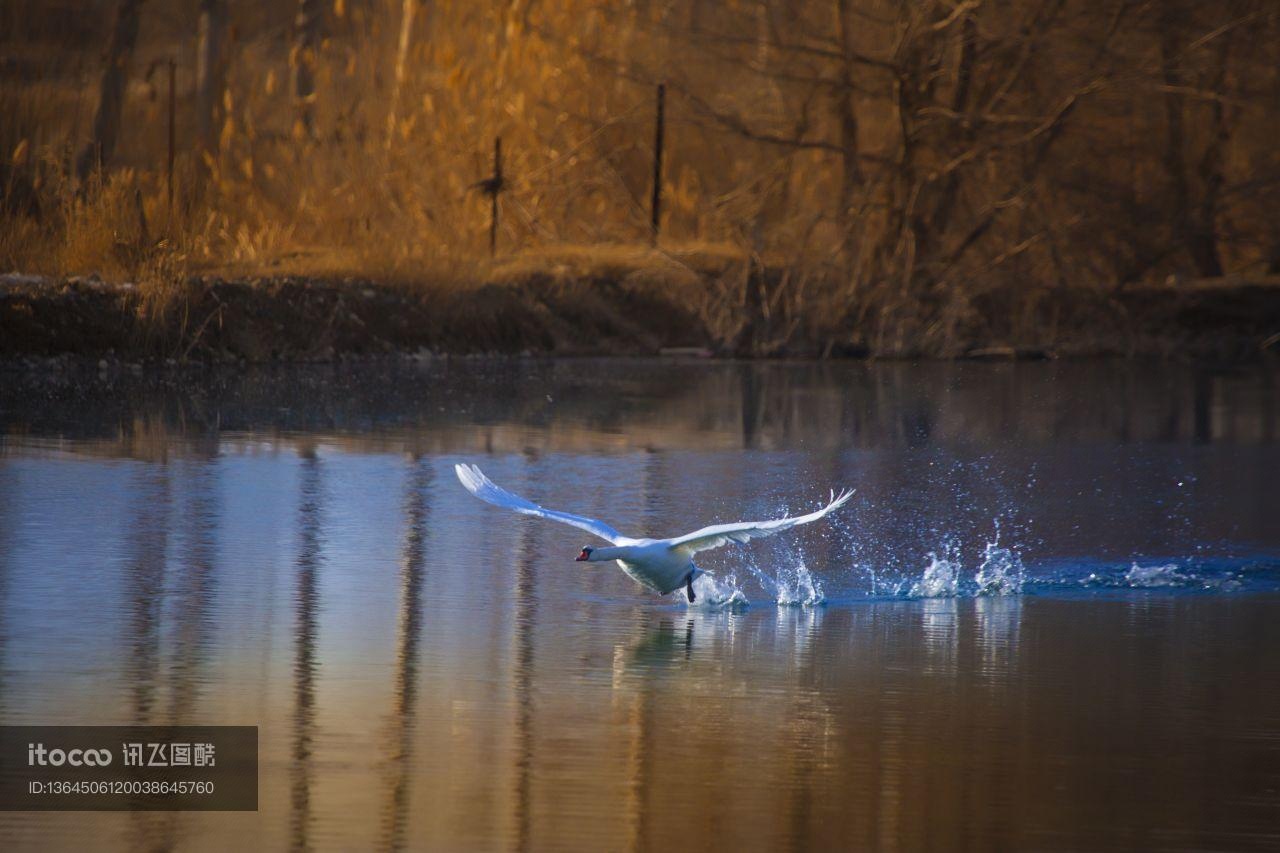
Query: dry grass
[(619, 260), (367, 196), (947, 217)]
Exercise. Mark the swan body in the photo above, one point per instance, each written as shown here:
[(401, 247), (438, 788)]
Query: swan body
[(649, 562), (662, 565)]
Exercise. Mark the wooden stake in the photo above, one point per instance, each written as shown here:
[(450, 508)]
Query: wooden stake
[(493, 195), (144, 233), (656, 206), (173, 134)]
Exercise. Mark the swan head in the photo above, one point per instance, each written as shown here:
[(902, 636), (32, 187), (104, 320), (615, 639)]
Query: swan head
[(585, 555)]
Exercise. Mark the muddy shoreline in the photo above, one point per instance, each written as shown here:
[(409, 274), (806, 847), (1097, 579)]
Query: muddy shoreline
[(294, 319)]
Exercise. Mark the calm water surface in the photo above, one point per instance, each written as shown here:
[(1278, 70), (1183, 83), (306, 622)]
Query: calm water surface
[(1049, 619)]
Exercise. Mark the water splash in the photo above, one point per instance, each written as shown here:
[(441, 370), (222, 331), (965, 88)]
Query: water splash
[(1001, 571), (1155, 576), (791, 586), (941, 578), (799, 588), (716, 594)]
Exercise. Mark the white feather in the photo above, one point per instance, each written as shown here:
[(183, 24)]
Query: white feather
[(742, 532), (487, 490)]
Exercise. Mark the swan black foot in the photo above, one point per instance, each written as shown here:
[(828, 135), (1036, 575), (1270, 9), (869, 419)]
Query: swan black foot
[(688, 588)]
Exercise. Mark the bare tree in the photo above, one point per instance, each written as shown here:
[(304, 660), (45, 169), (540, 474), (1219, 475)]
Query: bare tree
[(306, 41), (407, 10), (210, 72), (847, 110), (101, 148)]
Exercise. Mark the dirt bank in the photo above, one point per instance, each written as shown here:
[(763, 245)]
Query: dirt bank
[(261, 319)]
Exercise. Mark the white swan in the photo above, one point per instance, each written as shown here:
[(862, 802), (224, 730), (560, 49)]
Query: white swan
[(663, 565)]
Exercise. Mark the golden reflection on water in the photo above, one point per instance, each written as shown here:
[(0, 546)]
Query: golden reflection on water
[(400, 742), (525, 605), (428, 673), (893, 725), (305, 664)]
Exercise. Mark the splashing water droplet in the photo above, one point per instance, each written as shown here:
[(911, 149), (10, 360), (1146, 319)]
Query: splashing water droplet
[(941, 579), (716, 594), (1154, 576), (799, 588), (790, 586), (1001, 572)]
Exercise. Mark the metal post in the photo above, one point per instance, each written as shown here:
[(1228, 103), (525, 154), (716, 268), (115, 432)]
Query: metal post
[(173, 135), (497, 187), (656, 207)]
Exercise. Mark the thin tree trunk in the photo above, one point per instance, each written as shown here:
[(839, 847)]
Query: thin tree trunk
[(407, 9), (1175, 135), (210, 72), (306, 41), (697, 15), (851, 170), (762, 48), (1194, 221), (1203, 237), (101, 148), (941, 218), (774, 188)]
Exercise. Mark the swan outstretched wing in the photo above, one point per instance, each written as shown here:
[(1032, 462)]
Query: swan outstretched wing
[(487, 490), (744, 531)]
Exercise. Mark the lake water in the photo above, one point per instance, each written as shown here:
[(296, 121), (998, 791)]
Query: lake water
[(1049, 619)]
